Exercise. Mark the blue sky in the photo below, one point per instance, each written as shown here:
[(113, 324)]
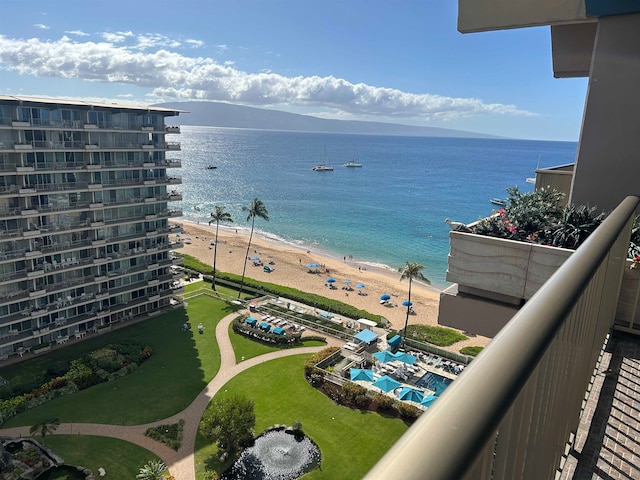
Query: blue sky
[(401, 61)]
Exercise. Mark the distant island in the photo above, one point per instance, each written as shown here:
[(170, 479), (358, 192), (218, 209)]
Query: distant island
[(216, 114)]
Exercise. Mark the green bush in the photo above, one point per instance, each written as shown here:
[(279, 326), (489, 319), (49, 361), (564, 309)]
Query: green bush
[(384, 402), (169, 434), (406, 411), (471, 351), (312, 360)]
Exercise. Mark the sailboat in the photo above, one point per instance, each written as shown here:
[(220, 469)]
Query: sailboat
[(323, 167), (353, 164), (533, 179)]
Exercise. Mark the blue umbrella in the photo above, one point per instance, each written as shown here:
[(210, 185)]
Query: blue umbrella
[(386, 383), (407, 303), (385, 296), (254, 259), (405, 358), (360, 285), (362, 374), (346, 281), (411, 394), (428, 401), (312, 265), (331, 280), (384, 356)]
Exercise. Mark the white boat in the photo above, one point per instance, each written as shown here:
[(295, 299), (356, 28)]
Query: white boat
[(499, 201), (322, 168), (352, 164), (531, 180)]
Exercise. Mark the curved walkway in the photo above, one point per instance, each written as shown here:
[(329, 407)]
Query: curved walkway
[(181, 463)]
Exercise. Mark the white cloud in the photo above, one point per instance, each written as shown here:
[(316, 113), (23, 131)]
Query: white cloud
[(78, 33), (41, 26), (125, 95), (177, 76), (113, 37), (194, 43)]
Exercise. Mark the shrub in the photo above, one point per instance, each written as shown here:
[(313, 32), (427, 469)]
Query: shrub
[(146, 353), (169, 434), (312, 360), (406, 411), (471, 351), (384, 402)]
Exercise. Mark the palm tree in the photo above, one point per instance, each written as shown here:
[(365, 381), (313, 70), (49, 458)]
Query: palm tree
[(44, 428), (412, 271), (152, 470), (255, 209), (218, 215)]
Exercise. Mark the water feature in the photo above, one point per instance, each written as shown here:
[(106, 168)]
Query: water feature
[(433, 381), (277, 454)]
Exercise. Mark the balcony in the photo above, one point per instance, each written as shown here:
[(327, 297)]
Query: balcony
[(515, 411), (174, 146), (172, 128)]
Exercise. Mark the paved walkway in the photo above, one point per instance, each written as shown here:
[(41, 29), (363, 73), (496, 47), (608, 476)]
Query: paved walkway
[(181, 463)]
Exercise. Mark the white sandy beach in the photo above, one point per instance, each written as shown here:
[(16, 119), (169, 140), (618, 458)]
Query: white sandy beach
[(290, 271)]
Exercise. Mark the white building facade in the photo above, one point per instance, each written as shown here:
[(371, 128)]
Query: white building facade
[(85, 201)]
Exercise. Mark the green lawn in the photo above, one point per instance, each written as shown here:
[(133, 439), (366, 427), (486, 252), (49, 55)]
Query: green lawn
[(120, 459), (351, 441), (181, 365), (246, 348)]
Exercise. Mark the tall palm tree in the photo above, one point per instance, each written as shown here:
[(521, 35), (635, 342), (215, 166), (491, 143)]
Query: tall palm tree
[(218, 215), (152, 470), (255, 209), (44, 427), (412, 271)]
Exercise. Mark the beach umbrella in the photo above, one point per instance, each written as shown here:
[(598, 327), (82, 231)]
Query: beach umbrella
[(428, 401), (405, 358), (362, 374), (312, 265), (407, 303), (331, 280), (385, 296), (384, 356), (360, 285), (346, 281), (411, 395), (254, 259), (386, 383)]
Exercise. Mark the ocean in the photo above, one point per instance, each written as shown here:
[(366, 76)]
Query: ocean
[(388, 212)]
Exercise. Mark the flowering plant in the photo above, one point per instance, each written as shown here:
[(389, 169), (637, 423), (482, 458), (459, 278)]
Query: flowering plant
[(538, 217)]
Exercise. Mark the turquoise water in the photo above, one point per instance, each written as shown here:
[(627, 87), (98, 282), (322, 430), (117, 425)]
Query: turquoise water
[(434, 382), (390, 211)]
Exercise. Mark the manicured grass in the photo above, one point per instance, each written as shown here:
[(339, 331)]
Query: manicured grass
[(440, 336), (351, 441), (120, 459), (472, 351), (181, 365), (246, 348)]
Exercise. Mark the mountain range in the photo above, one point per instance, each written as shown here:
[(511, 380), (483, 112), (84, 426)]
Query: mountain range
[(217, 114)]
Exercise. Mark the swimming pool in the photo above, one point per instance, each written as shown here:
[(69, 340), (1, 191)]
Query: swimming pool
[(435, 382)]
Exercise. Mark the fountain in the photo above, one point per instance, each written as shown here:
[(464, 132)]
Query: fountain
[(277, 454)]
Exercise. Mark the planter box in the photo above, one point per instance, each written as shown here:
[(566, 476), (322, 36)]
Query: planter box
[(628, 310), (37, 351), (498, 269)]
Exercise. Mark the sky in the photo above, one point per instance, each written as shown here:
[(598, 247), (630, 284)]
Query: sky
[(374, 60)]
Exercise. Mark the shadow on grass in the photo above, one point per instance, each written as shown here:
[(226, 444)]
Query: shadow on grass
[(181, 365)]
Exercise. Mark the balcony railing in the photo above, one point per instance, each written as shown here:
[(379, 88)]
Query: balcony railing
[(514, 409)]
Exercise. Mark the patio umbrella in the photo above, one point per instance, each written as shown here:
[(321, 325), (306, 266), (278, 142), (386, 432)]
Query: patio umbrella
[(312, 265), (254, 259), (385, 296), (405, 358), (331, 280), (386, 383), (384, 356), (428, 401), (411, 394), (360, 285), (407, 303), (362, 374), (346, 281)]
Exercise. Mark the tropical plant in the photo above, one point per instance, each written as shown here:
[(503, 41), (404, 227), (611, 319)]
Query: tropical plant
[(152, 470), (255, 209), (45, 428), (538, 217), (411, 271), (229, 421), (218, 215)]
